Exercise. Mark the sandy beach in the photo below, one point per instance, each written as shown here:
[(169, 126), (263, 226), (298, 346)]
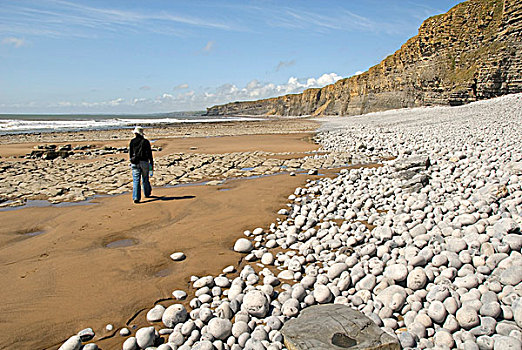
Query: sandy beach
[(103, 261)]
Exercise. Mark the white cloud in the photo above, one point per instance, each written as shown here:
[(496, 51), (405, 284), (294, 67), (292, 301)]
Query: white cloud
[(330, 20), (16, 42), (184, 99), (136, 101), (58, 18), (145, 88), (116, 102), (297, 18), (253, 90), (181, 87), (89, 105)]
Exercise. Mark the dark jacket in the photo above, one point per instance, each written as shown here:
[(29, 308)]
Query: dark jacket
[(140, 150)]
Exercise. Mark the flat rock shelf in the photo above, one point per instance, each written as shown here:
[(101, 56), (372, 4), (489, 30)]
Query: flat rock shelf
[(335, 327)]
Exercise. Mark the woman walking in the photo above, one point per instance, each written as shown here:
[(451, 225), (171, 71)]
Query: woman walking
[(140, 154)]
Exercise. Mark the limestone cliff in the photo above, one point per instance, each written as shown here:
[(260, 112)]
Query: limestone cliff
[(472, 52)]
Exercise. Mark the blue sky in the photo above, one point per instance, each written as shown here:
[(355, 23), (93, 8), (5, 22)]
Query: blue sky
[(131, 56)]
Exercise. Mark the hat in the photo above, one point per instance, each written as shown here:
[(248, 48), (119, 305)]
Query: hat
[(138, 130)]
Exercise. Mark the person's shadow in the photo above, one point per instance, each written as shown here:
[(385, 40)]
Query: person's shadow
[(165, 198)]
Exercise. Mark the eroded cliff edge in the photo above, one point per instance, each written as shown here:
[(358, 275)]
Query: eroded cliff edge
[(472, 52)]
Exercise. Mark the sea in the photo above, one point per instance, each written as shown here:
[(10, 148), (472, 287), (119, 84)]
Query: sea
[(40, 123)]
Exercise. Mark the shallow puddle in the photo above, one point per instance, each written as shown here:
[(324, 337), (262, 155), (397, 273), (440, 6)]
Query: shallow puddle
[(42, 203), (188, 184), (162, 273), (121, 243), (34, 233)]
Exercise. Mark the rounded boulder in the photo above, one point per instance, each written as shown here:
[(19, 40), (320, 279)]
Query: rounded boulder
[(173, 315), (467, 317), (73, 343), (336, 269), (417, 279), (256, 303), (243, 245), (220, 328), (397, 272), (145, 337), (322, 294), (155, 313)]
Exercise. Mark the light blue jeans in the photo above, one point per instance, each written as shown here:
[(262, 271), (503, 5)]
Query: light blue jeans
[(140, 172)]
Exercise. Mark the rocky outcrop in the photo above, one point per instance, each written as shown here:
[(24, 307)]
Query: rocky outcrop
[(335, 326), (472, 52)]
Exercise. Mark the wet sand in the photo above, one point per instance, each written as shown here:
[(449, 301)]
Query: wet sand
[(65, 269), (208, 145)]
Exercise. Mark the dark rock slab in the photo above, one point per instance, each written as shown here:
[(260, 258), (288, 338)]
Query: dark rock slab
[(417, 161), (67, 147), (336, 327), (417, 182)]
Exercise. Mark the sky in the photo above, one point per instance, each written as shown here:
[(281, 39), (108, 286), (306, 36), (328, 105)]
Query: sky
[(156, 56)]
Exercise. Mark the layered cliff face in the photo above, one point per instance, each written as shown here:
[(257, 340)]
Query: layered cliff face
[(472, 52)]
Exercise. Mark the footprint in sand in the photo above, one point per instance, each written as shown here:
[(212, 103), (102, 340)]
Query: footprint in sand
[(27, 273), (43, 256)]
